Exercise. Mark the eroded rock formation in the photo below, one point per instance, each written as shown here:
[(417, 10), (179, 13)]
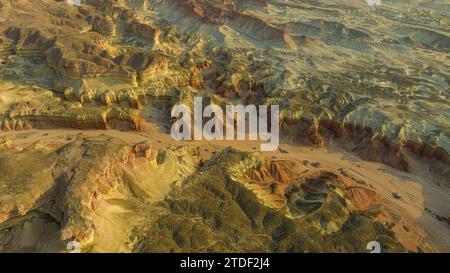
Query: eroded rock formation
[(373, 80)]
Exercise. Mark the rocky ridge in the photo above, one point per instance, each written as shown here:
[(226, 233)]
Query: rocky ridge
[(335, 69), (110, 196)]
